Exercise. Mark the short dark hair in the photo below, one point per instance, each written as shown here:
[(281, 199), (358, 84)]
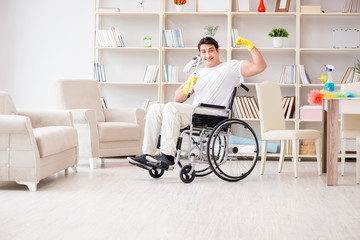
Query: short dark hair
[(208, 40)]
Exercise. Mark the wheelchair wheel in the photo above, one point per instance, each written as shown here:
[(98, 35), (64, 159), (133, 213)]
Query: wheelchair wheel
[(156, 172), (185, 176), (232, 150)]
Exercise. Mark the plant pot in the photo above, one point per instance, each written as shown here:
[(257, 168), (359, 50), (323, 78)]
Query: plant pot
[(179, 8), (278, 42)]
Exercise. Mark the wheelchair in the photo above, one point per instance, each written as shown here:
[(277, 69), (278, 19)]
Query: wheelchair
[(222, 145)]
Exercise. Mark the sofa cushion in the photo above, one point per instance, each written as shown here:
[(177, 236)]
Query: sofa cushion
[(51, 140), (118, 131)]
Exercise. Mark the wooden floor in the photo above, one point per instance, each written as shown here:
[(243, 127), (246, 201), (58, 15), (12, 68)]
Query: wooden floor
[(121, 201)]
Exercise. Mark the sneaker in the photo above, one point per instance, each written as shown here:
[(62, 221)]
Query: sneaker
[(140, 161), (161, 161)]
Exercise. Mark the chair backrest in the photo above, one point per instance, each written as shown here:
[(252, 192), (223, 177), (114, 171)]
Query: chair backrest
[(6, 104), (270, 105), (79, 94), (350, 121)]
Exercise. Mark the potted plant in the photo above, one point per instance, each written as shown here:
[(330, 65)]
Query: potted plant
[(211, 30), (278, 35), (179, 5)]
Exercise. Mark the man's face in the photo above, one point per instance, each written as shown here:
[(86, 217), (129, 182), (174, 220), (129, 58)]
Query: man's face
[(209, 55)]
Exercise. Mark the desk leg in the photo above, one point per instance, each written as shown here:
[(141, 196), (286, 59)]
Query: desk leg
[(332, 142), (324, 141)]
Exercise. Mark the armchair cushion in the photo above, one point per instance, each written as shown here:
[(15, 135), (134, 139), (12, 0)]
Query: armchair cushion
[(118, 131), (51, 140)]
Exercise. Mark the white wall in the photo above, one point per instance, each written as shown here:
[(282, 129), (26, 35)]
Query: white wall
[(42, 41)]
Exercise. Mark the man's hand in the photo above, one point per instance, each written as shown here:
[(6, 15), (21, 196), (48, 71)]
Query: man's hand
[(242, 41), (186, 88)]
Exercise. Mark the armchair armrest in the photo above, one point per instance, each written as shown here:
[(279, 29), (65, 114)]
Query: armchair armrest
[(133, 115), (14, 124), (85, 123), (45, 117)]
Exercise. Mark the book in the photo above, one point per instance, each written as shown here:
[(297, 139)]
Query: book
[(256, 107), (241, 108), (287, 101), (248, 106), (310, 9), (346, 75), (291, 108)]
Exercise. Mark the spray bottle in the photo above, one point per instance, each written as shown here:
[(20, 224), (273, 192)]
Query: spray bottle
[(329, 85)]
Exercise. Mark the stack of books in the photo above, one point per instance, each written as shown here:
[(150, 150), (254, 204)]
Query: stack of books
[(170, 73), (288, 74), (234, 36), (304, 76), (350, 76), (173, 38), (151, 74), (109, 38), (289, 107), (245, 107), (99, 72)]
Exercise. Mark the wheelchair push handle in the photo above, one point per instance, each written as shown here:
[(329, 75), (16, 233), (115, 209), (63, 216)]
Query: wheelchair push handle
[(244, 87)]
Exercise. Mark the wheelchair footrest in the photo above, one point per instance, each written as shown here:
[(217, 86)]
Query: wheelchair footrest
[(160, 165), (141, 166)]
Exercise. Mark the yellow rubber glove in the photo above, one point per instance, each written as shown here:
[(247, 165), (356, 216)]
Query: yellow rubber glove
[(242, 41), (186, 88)]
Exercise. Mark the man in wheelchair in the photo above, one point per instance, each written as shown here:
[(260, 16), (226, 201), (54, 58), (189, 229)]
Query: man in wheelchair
[(212, 85)]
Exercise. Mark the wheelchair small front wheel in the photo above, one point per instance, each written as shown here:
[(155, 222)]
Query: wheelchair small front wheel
[(185, 175), (156, 172)]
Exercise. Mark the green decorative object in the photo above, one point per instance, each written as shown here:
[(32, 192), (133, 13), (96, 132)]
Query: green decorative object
[(147, 41), (278, 32), (357, 66), (211, 30), (323, 78)]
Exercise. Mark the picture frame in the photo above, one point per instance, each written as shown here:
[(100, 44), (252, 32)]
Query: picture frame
[(212, 6), (243, 5), (282, 5)]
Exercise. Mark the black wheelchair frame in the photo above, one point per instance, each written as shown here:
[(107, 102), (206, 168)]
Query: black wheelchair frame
[(209, 146)]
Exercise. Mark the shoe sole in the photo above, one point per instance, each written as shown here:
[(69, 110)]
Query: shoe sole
[(133, 162)]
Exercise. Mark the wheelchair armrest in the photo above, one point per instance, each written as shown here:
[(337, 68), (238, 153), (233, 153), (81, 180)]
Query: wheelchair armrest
[(211, 106)]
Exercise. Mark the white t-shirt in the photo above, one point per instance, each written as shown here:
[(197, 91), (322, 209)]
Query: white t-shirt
[(215, 85)]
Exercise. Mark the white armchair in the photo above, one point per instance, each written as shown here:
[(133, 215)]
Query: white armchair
[(102, 132), (35, 144)]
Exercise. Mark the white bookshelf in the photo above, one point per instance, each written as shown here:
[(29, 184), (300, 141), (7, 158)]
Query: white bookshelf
[(309, 44)]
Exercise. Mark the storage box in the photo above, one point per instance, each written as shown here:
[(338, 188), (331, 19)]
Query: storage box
[(307, 147), (310, 9), (311, 113)]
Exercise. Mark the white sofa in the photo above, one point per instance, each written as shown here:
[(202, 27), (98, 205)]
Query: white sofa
[(35, 144)]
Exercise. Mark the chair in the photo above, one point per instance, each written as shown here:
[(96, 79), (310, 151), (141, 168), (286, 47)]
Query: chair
[(272, 124), (35, 144), (358, 159), (350, 123), (102, 132)]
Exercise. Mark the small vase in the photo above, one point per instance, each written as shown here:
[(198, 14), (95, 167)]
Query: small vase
[(261, 7), (278, 42), (179, 8)]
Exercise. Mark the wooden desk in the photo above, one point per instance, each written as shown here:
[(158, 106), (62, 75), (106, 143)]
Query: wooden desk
[(330, 133)]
